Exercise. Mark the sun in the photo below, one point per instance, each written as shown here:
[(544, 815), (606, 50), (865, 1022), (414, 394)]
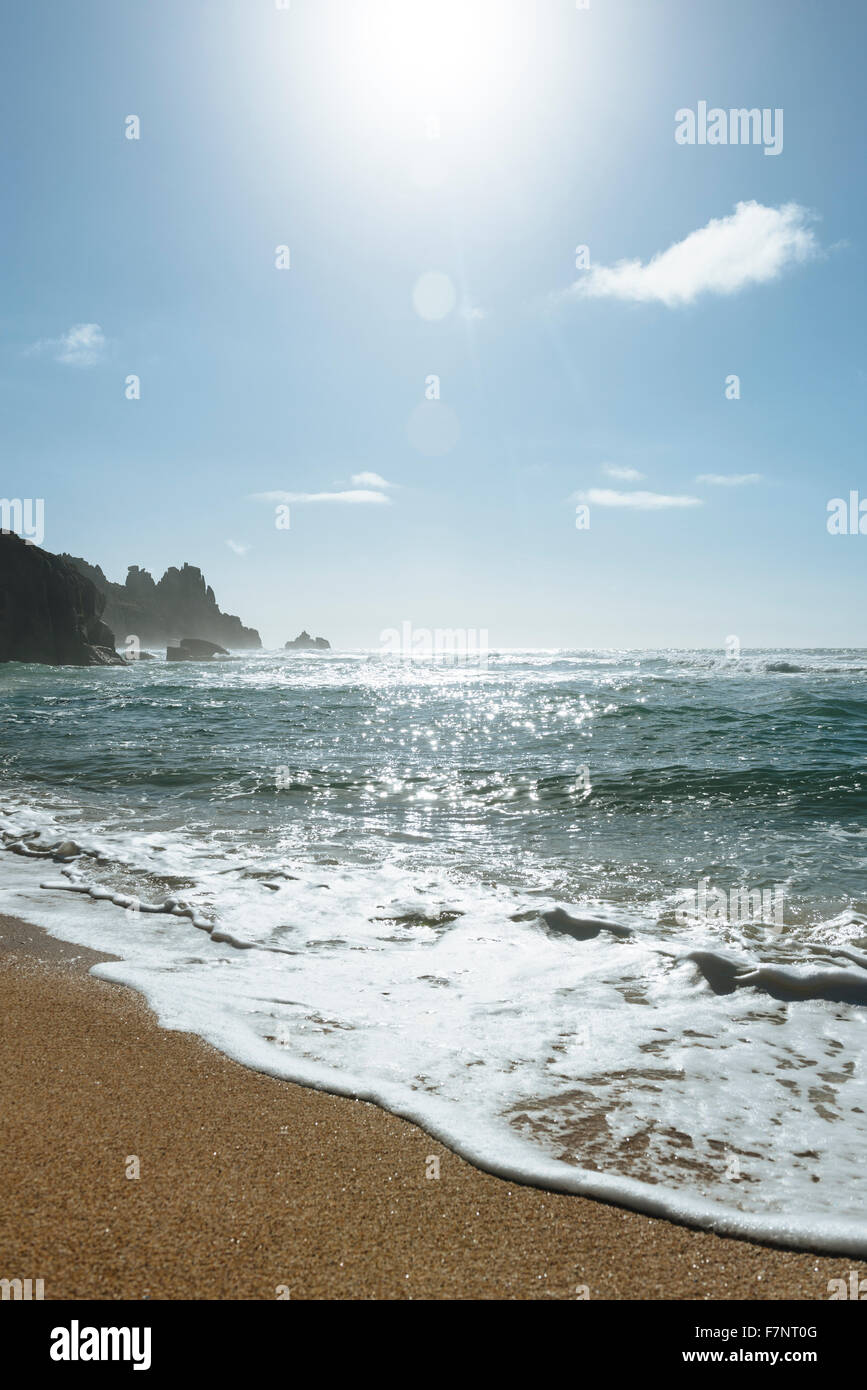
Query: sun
[(434, 57)]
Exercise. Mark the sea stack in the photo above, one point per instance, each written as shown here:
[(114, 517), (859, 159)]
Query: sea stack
[(305, 643)]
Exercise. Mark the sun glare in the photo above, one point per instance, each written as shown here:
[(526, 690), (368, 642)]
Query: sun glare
[(450, 56)]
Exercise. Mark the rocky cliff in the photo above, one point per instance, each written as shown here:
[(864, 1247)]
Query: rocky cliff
[(161, 613), (49, 612)]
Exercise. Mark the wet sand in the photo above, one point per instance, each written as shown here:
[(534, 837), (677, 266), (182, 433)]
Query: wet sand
[(255, 1188)]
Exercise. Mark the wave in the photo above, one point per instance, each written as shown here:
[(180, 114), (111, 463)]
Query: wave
[(438, 910), (725, 975), (507, 1027)]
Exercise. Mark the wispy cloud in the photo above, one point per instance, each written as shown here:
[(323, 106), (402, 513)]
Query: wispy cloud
[(626, 475), (728, 479), (640, 501), (82, 345), (751, 246), (237, 547), (357, 497), (369, 480), (368, 489)]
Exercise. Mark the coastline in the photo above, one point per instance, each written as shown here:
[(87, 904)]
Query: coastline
[(248, 1183)]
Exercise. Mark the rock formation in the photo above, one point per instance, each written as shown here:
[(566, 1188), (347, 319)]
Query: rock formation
[(306, 643), (195, 649), (196, 646), (159, 612), (49, 611)]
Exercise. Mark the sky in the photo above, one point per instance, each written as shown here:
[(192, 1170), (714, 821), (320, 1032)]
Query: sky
[(430, 375)]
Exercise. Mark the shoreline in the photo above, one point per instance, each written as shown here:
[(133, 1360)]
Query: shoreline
[(248, 1183)]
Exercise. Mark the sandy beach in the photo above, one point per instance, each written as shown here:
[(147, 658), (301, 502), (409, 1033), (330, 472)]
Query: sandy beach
[(249, 1186)]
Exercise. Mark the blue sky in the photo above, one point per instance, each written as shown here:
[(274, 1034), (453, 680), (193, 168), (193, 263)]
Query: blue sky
[(482, 142)]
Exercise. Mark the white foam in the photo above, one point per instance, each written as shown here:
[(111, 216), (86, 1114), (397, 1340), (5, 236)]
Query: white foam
[(606, 1066)]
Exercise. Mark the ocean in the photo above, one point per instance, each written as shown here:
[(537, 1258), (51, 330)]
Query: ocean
[(598, 920)]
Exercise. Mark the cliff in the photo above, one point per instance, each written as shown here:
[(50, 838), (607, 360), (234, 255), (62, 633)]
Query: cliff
[(160, 613), (49, 612)]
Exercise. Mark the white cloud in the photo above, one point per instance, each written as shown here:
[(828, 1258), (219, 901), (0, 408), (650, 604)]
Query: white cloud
[(728, 479), (626, 475), (357, 497), (237, 547), (369, 480), (641, 501), (751, 246), (82, 345)]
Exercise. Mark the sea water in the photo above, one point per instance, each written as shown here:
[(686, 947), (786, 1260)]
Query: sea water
[(598, 920)]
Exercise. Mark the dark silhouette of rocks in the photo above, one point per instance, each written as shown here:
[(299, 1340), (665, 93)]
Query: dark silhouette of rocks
[(50, 612), (306, 643), (198, 647), (159, 612), (195, 649)]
